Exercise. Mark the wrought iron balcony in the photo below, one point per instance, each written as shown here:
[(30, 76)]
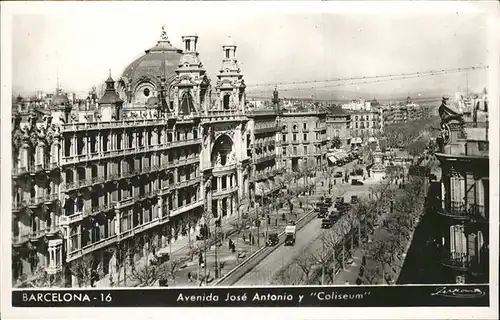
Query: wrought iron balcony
[(455, 260), (454, 209), (479, 212)]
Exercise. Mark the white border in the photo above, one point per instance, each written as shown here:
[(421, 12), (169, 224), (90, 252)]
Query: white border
[(206, 8)]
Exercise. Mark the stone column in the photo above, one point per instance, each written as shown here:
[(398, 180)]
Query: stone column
[(117, 222), (239, 178)]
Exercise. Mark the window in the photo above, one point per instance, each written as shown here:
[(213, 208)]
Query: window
[(305, 126), (284, 137), (294, 137), (225, 101), (305, 136), (227, 53), (295, 150), (305, 149), (458, 241), (146, 92), (284, 151)]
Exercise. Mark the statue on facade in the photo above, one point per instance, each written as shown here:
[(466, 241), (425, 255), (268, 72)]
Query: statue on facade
[(232, 157), (164, 36), (218, 160)]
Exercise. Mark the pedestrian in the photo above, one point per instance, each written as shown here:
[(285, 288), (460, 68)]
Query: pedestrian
[(244, 238), (190, 277), (346, 283)]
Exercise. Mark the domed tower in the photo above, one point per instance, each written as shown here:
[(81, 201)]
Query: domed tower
[(146, 82), (191, 86), (110, 104), (230, 88)]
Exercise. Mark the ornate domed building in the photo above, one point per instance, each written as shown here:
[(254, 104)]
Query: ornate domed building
[(154, 164)]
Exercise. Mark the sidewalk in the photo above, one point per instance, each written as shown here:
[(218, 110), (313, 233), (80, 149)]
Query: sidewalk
[(350, 274)]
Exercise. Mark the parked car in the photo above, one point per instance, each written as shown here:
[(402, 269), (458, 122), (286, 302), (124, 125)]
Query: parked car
[(356, 182), (328, 201), (338, 174), (354, 199), (272, 240), (339, 201)]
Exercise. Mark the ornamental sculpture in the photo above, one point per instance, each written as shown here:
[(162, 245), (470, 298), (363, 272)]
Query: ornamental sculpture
[(447, 115)]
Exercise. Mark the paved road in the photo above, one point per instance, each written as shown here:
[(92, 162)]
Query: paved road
[(267, 269)]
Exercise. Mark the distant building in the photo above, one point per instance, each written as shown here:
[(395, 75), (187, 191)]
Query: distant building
[(303, 139), (339, 125), (365, 124)]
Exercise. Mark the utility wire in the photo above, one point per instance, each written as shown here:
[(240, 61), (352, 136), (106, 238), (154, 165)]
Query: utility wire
[(391, 76)]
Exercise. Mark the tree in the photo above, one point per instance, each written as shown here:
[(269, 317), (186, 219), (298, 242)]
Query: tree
[(305, 264), (121, 251), (171, 267), (417, 147), (85, 269), (147, 275), (42, 279), (336, 142)]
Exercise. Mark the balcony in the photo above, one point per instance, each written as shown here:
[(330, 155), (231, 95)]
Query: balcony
[(266, 130), (479, 213), (52, 231), (125, 202), (455, 260), (186, 207), (36, 235), (49, 198), (19, 171), (264, 158), (187, 183), (456, 210), (224, 192), (224, 169), (69, 219), (18, 205), (91, 247)]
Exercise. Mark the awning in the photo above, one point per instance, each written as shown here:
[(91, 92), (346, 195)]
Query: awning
[(332, 159)]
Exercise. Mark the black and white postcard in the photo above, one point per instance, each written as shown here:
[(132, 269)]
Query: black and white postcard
[(308, 160)]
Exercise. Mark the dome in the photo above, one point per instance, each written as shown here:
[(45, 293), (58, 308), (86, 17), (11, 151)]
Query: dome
[(160, 60), (60, 99)]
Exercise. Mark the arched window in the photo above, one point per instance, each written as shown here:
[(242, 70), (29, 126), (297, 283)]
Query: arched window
[(225, 101), (186, 105)]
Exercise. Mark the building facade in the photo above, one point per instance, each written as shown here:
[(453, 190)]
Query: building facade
[(162, 155), (265, 168), (462, 203), (303, 139), (365, 124), (339, 126)]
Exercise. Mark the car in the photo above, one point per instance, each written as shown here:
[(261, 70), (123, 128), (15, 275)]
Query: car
[(326, 223), (356, 182), (354, 199), (338, 174), (339, 201), (272, 240), (328, 201)]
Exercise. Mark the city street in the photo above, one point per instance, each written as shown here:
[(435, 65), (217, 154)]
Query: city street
[(307, 238)]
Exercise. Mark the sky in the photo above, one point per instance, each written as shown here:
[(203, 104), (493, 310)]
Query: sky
[(80, 46)]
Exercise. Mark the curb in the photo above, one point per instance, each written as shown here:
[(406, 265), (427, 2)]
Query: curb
[(249, 259)]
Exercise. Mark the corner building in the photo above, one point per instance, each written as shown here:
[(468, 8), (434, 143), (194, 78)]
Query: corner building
[(462, 198), (162, 154)]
